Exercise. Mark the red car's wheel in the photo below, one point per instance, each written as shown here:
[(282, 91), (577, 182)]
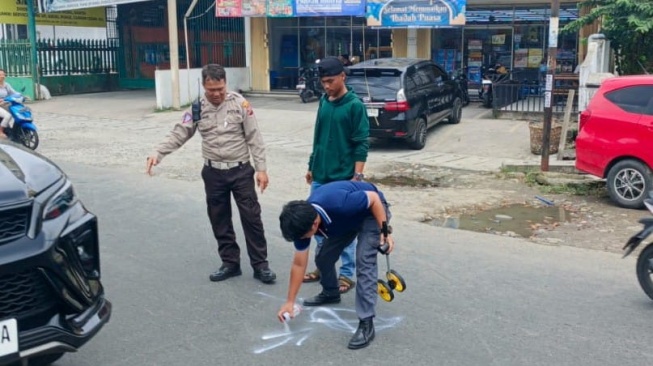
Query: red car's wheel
[(629, 182)]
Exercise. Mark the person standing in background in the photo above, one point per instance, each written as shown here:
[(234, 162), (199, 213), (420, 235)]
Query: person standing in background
[(340, 146)]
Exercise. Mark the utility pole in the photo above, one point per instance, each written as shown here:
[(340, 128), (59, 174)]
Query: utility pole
[(31, 31), (548, 88), (173, 43)]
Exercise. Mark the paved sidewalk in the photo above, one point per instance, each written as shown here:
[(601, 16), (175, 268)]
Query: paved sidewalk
[(476, 144)]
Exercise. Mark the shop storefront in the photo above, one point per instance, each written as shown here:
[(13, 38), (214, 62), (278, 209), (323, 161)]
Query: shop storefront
[(514, 37), (299, 42), (478, 35)]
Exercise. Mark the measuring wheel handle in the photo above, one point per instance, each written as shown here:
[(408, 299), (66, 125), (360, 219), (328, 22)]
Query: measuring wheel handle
[(385, 230)]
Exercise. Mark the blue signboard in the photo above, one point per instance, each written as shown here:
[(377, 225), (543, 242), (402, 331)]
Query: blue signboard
[(415, 13), (307, 8)]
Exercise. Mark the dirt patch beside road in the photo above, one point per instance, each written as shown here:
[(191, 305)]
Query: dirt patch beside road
[(590, 222)]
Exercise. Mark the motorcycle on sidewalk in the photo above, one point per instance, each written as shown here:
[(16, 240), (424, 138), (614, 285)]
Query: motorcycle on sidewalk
[(22, 130), (644, 266)]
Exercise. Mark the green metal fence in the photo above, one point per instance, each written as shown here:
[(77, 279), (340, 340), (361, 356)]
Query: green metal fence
[(66, 57), (60, 57), (15, 57)]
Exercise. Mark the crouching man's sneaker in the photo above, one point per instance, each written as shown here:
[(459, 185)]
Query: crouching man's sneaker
[(364, 334)]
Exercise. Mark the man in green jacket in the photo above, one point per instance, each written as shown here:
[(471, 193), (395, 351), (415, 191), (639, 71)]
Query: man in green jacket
[(340, 145)]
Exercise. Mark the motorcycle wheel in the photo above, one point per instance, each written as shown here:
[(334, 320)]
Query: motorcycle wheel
[(305, 96), (487, 103), (645, 270), (30, 139)]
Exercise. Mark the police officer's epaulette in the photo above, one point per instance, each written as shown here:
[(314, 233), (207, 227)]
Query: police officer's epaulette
[(196, 110)]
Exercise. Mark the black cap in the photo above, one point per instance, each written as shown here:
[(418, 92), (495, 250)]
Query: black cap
[(330, 66)]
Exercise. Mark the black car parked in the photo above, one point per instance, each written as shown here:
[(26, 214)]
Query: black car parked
[(405, 97), (51, 298)]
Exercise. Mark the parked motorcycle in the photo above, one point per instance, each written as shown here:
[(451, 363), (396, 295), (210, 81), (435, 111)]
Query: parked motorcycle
[(309, 84), (489, 77), (23, 130), (644, 267), (460, 77)]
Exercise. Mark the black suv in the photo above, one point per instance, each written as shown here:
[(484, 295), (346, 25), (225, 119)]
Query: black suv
[(51, 298), (405, 97)]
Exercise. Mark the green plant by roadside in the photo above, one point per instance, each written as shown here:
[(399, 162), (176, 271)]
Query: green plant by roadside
[(628, 24), (556, 183)]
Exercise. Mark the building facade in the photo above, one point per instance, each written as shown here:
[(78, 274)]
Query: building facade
[(513, 34), (272, 49)]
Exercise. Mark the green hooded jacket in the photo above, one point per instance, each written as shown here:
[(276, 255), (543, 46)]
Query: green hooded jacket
[(340, 138)]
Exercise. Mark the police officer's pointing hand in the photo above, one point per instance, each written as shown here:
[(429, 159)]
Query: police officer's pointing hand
[(151, 162)]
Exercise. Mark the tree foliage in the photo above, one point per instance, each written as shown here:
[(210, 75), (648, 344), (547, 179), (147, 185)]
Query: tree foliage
[(628, 24)]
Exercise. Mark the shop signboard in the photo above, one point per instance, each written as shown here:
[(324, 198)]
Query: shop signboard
[(228, 8), (15, 12), (254, 8), (280, 8), (47, 6), (415, 13), (307, 8)]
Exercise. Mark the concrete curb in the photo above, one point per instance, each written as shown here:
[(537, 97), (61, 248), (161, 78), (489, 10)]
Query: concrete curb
[(278, 95), (569, 169)]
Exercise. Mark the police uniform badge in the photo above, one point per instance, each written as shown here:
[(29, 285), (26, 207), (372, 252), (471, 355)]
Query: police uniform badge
[(248, 107), (187, 118)]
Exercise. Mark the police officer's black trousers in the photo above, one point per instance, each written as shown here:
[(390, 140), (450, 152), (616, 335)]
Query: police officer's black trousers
[(219, 186)]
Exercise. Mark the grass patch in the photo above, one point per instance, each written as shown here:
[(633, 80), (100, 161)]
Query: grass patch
[(566, 184), (579, 188)]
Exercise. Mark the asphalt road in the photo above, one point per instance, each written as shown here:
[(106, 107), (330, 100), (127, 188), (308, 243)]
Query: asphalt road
[(471, 299)]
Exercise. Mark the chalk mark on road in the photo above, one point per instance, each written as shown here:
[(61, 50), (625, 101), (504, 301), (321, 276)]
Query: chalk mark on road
[(339, 319)]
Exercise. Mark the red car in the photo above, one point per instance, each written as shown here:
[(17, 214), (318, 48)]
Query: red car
[(615, 138)]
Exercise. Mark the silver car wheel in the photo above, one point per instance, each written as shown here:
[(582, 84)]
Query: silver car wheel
[(629, 184)]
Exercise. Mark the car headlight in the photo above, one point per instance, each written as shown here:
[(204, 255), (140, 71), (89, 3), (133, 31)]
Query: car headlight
[(60, 202)]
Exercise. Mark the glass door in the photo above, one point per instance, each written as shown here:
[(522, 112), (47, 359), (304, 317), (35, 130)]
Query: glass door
[(486, 47)]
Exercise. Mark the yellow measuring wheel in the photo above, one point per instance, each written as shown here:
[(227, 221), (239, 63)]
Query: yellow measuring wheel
[(395, 281), (384, 291)]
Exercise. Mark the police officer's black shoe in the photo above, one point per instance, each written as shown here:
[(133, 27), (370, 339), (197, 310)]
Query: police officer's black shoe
[(265, 275), (364, 334), (322, 299), (225, 272)]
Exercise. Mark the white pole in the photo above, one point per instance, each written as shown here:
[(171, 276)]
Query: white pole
[(173, 42), (248, 49), (190, 10)]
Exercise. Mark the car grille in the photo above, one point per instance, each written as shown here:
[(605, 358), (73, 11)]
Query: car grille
[(23, 294), (14, 223)]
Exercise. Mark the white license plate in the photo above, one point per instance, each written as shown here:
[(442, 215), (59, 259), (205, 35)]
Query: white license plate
[(372, 112), (301, 86), (8, 337)]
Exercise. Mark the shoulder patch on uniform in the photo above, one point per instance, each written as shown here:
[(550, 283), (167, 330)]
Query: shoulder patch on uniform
[(248, 107), (188, 118)]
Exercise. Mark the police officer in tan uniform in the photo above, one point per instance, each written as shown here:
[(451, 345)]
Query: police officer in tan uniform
[(230, 135)]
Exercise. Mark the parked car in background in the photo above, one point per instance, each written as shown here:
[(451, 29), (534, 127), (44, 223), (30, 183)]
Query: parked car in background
[(614, 138), (405, 97), (51, 297)]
